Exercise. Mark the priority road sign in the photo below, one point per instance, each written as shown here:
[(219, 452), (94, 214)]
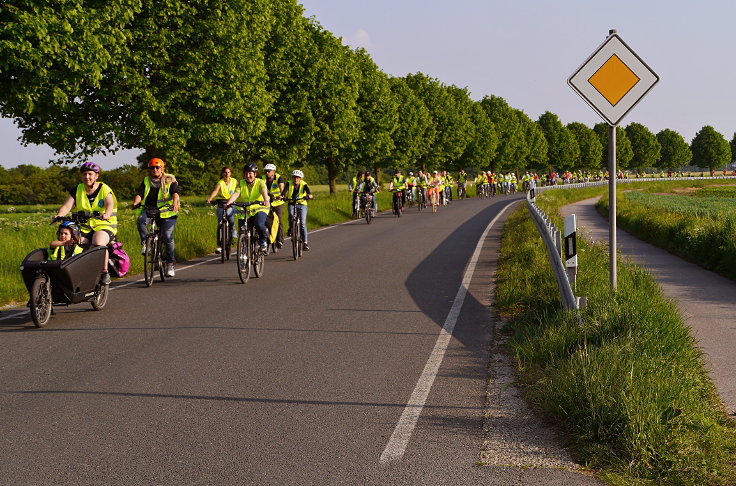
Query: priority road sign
[(613, 79)]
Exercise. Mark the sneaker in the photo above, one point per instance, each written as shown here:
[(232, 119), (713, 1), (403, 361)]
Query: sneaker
[(105, 278), (143, 248), (263, 248), (279, 244), (305, 247), (170, 272), (218, 250)]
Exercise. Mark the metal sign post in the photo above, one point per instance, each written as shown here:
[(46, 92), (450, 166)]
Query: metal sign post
[(612, 81)]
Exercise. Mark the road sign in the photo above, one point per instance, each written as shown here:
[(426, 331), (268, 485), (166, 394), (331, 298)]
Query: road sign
[(613, 79)]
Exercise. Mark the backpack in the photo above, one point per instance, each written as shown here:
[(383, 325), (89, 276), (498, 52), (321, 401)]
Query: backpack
[(118, 262)]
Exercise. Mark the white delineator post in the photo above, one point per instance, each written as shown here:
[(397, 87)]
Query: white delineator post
[(571, 249)]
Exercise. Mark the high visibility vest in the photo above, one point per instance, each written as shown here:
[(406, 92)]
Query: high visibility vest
[(59, 253), (273, 190), (399, 183), (83, 204), (165, 198), (300, 193), (411, 181), (227, 189), (252, 194)]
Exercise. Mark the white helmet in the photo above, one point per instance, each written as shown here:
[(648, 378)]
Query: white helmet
[(411, 173), (297, 173), (269, 167)]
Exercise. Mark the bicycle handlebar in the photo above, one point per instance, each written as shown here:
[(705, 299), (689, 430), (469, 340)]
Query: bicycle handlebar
[(78, 217)]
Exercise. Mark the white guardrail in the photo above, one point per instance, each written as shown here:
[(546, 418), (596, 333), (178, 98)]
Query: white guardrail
[(552, 237)]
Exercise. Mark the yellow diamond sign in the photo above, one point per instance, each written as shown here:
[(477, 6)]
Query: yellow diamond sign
[(613, 80)]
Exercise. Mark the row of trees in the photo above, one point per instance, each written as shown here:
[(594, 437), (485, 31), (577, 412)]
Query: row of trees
[(224, 82)]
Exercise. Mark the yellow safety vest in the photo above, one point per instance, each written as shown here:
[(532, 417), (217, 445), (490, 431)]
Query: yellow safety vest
[(58, 253), (227, 190), (274, 190), (300, 193), (253, 194), (165, 198), (83, 204)]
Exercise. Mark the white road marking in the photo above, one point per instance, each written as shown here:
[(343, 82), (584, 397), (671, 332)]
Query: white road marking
[(399, 440)]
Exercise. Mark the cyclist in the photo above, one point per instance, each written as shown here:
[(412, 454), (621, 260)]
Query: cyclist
[(370, 182), (449, 181), (65, 245), (480, 180), (90, 196), (159, 190), (421, 183), (297, 193), (462, 179), (397, 186), (253, 189), (353, 186), (411, 183), (275, 183), (222, 192)]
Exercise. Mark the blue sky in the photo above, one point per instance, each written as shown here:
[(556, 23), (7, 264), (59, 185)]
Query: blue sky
[(524, 51)]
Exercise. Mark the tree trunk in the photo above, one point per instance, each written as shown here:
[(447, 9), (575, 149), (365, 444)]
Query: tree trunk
[(332, 175), (377, 172)]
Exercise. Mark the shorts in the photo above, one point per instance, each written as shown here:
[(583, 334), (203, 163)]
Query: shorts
[(89, 234)]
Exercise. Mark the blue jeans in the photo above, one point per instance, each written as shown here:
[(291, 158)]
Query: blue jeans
[(231, 220), (259, 220), (302, 209), (166, 226)]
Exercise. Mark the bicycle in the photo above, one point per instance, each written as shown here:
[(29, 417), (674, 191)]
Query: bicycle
[(154, 250), (410, 196), (356, 206), (224, 240), (397, 206), (248, 251), (366, 206), (64, 282), (434, 198), (421, 199), (295, 229), (461, 190)]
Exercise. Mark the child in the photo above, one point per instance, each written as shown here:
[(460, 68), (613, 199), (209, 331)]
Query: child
[(296, 192), (66, 245)]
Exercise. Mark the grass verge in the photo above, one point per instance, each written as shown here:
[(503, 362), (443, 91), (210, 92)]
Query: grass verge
[(629, 385)]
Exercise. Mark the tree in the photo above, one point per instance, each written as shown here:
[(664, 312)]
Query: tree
[(482, 147), (710, 149), (675, 150), (333, 98), (510, 132), (562, 148), (733, 147), (591, 149), (644, 144), (624, 152), (536, 154), (415, 128)]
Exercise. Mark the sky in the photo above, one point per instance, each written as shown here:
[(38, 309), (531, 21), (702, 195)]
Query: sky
[(524, 51)]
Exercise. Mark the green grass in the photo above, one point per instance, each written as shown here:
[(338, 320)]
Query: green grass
[(26, 228), (629, 385)]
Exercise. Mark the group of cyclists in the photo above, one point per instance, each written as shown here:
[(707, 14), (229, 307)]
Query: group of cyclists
[(96, 203)]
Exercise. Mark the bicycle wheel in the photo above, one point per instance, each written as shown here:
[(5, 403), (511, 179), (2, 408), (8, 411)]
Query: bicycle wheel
[(149, 260), (41, 301), (98, 303), (160, 252), (295, 238), (243, 256), (258, 258), (368, 215), (300, 244), (222, 239)]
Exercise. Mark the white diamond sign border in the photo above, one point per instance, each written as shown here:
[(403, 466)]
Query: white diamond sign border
[(579, 80)]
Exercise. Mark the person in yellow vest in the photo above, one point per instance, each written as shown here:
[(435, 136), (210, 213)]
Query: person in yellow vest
[(275, 184), (65, 245), (89, 197), (253, 189), (296, 194), (159, 190), (223, 190)]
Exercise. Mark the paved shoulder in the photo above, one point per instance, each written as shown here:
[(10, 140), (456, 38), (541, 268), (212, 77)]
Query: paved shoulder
[(704, 298)]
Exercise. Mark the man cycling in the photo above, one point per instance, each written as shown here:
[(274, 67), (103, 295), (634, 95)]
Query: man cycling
[(254, 190), (353, 186), (159, 191), (275, 184), (223, 190), (397, 186)]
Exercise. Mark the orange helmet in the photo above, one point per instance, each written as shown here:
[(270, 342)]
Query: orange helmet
[(155, 162)]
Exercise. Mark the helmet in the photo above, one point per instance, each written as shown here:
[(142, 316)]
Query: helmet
[(411, 173), (250, 168), (90, 166), (269, 167), (71, 226), (155, 162), (297, 173)]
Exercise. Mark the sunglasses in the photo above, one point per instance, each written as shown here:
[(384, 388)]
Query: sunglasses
[(154, 168)]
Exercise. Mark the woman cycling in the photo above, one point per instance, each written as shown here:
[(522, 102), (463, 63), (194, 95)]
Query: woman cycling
[(225, 188), (88, 197), (253, 189), (296, 194), (435, 186)]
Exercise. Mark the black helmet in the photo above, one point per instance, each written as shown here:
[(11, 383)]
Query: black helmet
[(250, 168)]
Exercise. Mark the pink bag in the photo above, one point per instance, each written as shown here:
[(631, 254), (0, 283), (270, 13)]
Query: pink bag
[(118, 262)]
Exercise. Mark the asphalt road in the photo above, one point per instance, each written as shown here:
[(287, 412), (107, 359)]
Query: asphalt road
[(299, 377)]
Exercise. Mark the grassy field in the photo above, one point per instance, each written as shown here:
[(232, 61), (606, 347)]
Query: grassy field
[(629, 385), (25, 228)]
